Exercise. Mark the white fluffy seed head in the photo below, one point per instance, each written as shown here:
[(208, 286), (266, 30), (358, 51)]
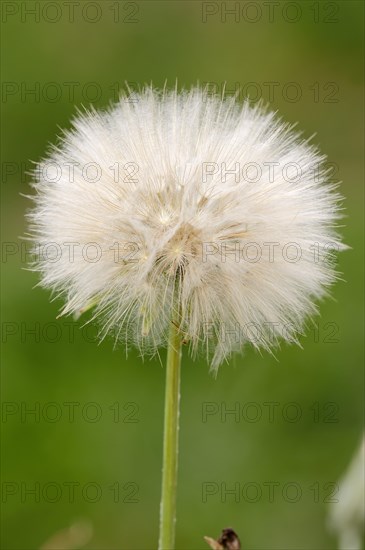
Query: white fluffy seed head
[(183, 198)]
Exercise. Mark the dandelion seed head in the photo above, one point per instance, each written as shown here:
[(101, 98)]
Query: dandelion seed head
[(166, 200)]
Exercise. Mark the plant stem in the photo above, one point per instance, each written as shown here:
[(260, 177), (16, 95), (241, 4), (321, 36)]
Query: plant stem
[(170, 446)]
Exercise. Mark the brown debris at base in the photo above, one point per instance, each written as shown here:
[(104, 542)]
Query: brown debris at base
[(227, 541)]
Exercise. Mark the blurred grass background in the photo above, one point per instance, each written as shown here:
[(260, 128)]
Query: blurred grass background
[(321, 51)]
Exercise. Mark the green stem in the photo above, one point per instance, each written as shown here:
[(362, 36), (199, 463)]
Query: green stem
[(170, 447)]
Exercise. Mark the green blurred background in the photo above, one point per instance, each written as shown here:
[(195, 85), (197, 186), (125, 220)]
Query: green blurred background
[(116, 433)]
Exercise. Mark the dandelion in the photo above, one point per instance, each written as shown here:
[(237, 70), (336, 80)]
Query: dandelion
[(186, 218)]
